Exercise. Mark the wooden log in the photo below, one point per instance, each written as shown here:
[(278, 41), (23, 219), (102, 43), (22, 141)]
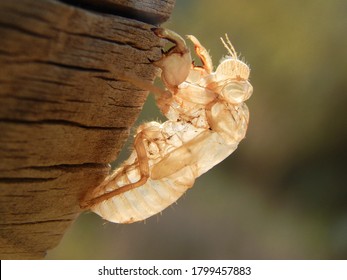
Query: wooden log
[(64, 116)]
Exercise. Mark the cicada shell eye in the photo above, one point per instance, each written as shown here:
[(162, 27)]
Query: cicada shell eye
[(236, 92), (232, 68)]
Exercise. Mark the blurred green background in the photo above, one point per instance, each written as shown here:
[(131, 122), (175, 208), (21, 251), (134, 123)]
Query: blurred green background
[(283, 193)]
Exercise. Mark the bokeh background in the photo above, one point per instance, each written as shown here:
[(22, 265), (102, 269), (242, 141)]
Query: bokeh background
[(283, 193)]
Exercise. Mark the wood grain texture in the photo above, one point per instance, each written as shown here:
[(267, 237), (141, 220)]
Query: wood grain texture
[(63, 115)]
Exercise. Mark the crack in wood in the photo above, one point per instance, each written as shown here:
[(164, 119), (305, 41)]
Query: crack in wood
[(17, 97), (9, 180), (70, 66), (42, 80), (115, 9), (23, 30), (36, 222), (59, 122), (65, 166)]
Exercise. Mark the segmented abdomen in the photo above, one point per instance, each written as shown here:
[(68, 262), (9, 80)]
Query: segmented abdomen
[(177, 154), (142, 202)]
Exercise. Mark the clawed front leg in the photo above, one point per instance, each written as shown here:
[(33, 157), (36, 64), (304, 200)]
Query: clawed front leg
[(176, 62), (202, 54)]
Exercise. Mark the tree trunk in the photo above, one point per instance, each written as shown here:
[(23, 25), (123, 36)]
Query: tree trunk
[(64, 116)]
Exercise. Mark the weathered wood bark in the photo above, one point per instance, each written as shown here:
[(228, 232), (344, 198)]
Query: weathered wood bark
[(63, 115)]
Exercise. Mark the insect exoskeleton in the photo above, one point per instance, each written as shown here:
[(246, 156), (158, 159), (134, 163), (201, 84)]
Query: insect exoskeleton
[(207, 118)]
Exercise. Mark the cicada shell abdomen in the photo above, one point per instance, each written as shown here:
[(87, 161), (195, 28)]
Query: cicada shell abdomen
[(160, 190)]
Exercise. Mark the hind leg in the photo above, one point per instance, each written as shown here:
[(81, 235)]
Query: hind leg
[(141, 163)]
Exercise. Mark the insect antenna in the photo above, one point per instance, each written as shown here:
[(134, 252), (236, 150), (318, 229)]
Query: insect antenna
[(229, 47), (231, 50)]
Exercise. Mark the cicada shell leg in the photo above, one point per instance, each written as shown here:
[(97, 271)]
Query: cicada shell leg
[(175, 63), (180, 44), (202, 54), (142, 161)]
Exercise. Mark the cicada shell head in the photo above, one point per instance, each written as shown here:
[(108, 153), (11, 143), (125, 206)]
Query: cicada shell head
[(232, 68), (232, 76)]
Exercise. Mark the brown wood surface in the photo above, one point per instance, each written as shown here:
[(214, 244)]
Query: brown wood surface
[(63, 115)]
